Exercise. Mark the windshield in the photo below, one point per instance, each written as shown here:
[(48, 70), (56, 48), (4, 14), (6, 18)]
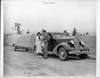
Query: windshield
[(58, 35)]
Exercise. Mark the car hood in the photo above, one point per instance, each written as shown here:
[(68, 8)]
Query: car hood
[(63, 39)]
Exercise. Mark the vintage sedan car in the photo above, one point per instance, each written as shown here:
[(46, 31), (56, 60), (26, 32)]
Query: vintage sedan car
[(64, 46)]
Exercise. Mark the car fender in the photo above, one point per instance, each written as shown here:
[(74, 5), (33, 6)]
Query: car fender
[(63, 44), (86, 47)]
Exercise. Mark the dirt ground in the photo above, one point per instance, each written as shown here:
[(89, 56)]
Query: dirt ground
[(26, 64)]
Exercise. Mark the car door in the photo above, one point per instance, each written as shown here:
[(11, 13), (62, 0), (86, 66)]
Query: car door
[(51, 43)]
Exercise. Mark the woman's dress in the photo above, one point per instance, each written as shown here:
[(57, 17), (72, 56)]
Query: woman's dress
[(38, 45)]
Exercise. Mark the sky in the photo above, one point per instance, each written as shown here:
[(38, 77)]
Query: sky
[(51, 15)]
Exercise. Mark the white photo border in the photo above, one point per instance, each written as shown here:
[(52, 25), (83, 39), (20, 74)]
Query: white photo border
[(97, 41)]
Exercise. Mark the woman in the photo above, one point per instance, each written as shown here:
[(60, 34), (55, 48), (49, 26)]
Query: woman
[(38, 45)]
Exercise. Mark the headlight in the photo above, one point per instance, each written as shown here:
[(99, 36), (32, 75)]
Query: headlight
[(72, 42)]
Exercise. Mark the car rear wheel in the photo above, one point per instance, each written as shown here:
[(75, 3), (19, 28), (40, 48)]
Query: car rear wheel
[(35, 48), (63, 55), (83, 56)]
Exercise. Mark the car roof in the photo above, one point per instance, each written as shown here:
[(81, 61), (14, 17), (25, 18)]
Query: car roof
[(55, 32), (67, 37)]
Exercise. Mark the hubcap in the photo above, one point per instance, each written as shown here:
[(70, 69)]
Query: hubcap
[(62, 54)]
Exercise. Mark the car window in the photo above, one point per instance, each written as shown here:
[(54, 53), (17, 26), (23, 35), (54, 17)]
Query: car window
[(58, 35)]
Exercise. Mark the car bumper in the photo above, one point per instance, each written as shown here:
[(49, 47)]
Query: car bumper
[(79, 52)]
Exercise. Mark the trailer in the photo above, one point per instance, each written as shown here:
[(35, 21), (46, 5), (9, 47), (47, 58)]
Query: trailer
[(25, 41)]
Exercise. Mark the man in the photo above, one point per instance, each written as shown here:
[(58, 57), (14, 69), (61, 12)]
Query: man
[(67, 34), (45, 39)]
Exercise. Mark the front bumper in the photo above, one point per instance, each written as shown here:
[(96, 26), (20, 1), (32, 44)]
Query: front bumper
[(79, 52)]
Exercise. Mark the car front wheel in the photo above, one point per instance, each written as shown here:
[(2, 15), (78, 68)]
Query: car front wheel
[(63, 55)]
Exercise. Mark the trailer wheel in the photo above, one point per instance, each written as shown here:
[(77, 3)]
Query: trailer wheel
[(15, 48)]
